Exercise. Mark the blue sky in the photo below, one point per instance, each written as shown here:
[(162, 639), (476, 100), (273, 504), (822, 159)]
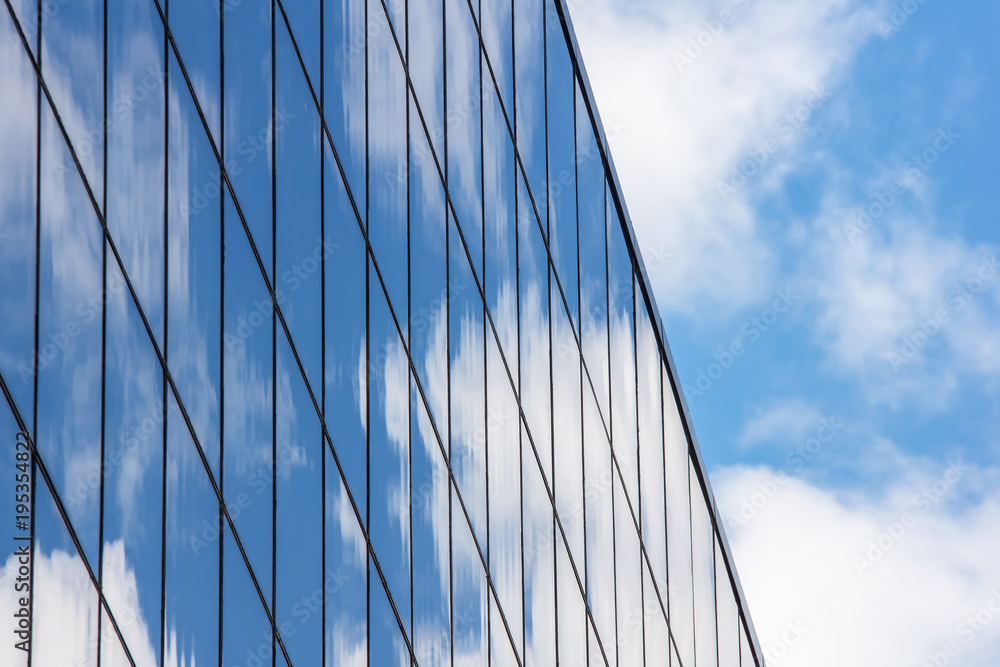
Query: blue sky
[(887, 354)]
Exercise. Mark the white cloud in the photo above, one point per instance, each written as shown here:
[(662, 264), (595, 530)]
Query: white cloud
[(688, 125), (901, 306), (782, 421), (804, 556)]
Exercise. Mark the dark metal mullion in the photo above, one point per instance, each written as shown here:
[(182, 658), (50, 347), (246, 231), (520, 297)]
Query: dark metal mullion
[(40, 465), (409, 337), (222, 325), (132, 292), (579, 310), (274, 353), (611, 410), (369, 258), (104, 336), (38, 255), (548, 298), (166, 328), (447, 301), (638, 464), (486, 403), (694, 616)]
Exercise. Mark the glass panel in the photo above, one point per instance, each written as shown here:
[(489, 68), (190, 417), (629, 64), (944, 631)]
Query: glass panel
[(728, 612), (539, 537), (599, 512), (703, 553), (17, 218), (623, 388), (299, 514), (136, 157), (344, 594), (73, 67), (535, 377), (530, 127), (248, 401), (344, 33), (304, 21), (464, 118), (473, 428), (432, 557), (593, 258), (652, 502), (498, 37), (598, 655), (196, 31), (387, 160), (247, 636), (655, 631), (504, 500), (248, 130), (133, 465), (388, 464), (345, 372), (629, 568), (679, 582), (500, 233), (64, 604), (425, 64), (568, 483), (387, 647), (301, 248), (193, 552), (559, 198), (193, 276), (71, 297), (571, 620), (471, 620)]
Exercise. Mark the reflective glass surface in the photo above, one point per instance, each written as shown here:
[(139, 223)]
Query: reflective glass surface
[(326, 341)]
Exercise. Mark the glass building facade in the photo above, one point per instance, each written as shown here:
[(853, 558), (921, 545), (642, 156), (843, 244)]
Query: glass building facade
[(326, 341)]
